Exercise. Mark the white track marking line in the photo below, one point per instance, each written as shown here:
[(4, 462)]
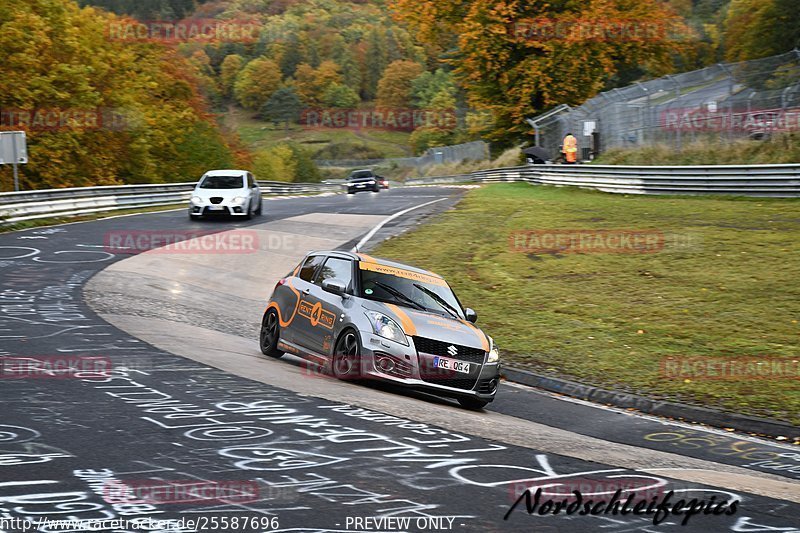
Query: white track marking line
[(385, 221)]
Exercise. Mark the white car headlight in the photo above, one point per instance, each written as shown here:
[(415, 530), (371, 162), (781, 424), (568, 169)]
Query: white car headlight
[(494, 355), (239, 200), (197, 200), (385, 327)]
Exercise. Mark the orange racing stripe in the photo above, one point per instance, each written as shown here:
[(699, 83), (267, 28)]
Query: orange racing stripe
[(478, 333), (405, 320), (273, 305)]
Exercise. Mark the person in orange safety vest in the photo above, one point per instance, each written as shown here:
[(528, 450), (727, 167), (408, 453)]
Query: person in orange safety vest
[(570, 149)]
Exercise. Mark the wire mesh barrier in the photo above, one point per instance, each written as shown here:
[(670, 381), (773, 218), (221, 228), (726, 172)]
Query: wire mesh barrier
[(748, 100), (471, 151)]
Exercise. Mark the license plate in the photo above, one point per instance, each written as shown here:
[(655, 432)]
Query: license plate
[(216, 208), (360, 186), (451, 364)]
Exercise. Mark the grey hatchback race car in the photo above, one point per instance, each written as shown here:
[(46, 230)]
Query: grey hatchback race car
[(360, 317)]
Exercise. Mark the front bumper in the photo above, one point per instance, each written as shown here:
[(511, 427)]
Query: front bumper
[(365, 188), (223, 208), (389, 361)]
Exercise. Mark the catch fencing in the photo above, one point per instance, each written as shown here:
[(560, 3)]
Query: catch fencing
[(727, 101), (456, 153)]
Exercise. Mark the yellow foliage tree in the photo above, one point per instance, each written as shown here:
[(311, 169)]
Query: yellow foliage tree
[(394, 89), (516, 59), (256, 82)]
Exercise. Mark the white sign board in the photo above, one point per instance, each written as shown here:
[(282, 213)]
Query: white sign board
[(588, 127), (13, 148), (712, 106)]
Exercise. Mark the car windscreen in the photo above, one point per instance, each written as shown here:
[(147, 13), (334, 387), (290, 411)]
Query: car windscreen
[(222, 182), (408, 288), (366, 174)]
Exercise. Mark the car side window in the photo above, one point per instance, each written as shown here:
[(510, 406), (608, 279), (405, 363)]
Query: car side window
[(310, 266), (336, 268), (250, 181)]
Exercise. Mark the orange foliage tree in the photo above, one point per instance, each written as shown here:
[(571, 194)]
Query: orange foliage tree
[(517, 58), (98, 110)]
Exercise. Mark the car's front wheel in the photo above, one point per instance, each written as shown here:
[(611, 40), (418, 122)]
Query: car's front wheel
[(347, 357), (474, 404), (270, 334)]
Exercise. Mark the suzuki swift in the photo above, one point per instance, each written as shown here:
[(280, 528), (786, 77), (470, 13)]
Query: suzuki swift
[(365, 318)]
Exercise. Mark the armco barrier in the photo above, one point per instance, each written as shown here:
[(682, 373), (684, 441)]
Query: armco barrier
[(31, 205), (782, 181)]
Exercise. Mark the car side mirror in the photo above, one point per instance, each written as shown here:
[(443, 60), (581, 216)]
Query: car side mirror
[(335, 286), (471, 315)]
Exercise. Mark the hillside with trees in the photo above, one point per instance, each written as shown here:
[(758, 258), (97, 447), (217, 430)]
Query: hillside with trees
[(478, 62), (98, 111)]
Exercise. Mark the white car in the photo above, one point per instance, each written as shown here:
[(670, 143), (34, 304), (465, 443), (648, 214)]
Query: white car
[(226, 192)]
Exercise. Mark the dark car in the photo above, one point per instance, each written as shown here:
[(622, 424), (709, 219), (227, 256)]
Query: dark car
[(360, 317), (363, 180)]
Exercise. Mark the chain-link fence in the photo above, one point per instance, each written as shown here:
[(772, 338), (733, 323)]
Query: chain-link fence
[(456, 153), (752, 99)]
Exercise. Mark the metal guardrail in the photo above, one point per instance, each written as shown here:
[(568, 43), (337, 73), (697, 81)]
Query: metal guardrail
[(780, 181), (31, 205)]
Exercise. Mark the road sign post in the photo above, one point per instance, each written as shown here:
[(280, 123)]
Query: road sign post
[(13, 151)]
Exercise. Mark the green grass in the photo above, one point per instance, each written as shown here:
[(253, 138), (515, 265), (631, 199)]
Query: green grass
[(782, 148), (725, 285), (258, 135)]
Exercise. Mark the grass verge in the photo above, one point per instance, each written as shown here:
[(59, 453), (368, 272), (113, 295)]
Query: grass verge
[(724, 285), (782, 148)]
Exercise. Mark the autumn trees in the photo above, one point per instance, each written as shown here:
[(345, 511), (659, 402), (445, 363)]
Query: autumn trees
[(761, 28), (148, 123), (515, 59)]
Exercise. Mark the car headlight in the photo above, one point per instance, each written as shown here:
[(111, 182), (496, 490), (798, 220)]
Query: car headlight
[(494, 355), (385, 327), (239, 200), (197, 200)]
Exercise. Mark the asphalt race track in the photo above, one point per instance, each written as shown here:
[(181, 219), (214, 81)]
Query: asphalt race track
[(190, 399)]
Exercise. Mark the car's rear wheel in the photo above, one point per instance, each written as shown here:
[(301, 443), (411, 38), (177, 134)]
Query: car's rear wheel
[(270, 334), (347, 357), (474, 404)]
